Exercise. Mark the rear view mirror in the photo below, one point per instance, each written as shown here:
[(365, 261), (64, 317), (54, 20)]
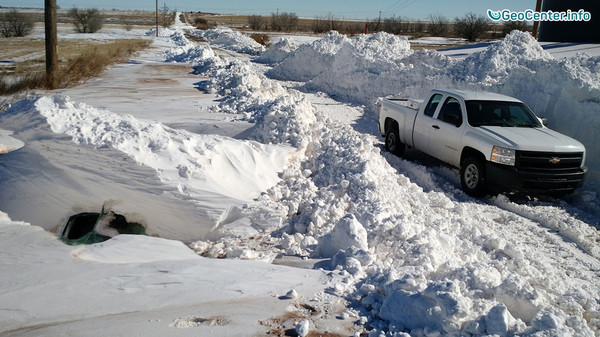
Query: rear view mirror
[(544, 120)]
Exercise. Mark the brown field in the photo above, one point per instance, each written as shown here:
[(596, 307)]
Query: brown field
[(23, 59), (78, 60), (120, 17)]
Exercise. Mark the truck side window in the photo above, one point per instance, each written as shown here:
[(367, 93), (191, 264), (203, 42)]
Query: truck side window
[(451, 112), (432, 104)]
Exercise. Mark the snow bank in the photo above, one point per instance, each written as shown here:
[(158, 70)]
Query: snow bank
[(6, 221), (280, 114), (8, 143), (413, 261), (231, 40), (196, 164), (191, 53), (134, 249), (278, 52), (309, 60)]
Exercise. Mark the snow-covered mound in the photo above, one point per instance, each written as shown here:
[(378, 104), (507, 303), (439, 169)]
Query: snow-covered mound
[(197, 162), (376, 65), (190, 53), (310, 60), (228, 39), (517, 51), (278, 51)]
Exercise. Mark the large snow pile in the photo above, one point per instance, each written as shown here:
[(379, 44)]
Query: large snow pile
[(414, 261), (518, 50), (308, 61)]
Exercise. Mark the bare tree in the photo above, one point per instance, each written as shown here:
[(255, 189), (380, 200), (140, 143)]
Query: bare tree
[(86, 21), (284, 21), (438, 25), (14, 23), (354, 27), (320, 25), (471, 26), (515, 25), (417, 28), (256, 22), (392, 25), (325, 24), (376, 25)]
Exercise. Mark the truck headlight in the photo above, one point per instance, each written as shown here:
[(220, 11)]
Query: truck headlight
[(503, 156)]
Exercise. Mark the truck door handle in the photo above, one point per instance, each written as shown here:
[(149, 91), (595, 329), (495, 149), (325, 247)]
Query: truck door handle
[(435, 127)]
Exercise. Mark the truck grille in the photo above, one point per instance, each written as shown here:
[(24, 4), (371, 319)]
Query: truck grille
[(548, 170), (549, 161)]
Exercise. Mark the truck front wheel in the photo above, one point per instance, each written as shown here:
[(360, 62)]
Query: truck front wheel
[(472, 177), (392, 141)]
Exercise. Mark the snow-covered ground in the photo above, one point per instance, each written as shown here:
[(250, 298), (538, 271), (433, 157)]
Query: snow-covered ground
[(273, 156)]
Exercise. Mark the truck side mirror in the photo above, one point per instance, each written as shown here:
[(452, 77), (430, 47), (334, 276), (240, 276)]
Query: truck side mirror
[(544, 121)]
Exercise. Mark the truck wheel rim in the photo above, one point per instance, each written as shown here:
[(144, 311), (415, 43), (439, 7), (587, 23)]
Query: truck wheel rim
[(471, 176), (391, 142)]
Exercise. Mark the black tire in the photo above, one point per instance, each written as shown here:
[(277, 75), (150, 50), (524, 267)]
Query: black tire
[(472, 177), (392, 141)]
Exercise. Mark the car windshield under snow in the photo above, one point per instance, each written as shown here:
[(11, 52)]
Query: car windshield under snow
[(499, 113)]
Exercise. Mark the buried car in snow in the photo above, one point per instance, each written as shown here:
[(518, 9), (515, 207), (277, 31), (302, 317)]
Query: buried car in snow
[(93, 227), (495, 140)]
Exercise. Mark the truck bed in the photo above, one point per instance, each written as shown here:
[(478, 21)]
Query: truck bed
[(402, 111)]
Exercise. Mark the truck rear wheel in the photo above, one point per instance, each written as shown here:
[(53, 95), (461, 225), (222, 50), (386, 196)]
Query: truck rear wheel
[(472, 177), (392, 141)]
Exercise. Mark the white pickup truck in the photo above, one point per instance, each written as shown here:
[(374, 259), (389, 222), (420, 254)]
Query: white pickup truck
[(496, 140)]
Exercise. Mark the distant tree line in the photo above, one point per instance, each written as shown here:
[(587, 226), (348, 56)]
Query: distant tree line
[(279, 22), (470, 26)]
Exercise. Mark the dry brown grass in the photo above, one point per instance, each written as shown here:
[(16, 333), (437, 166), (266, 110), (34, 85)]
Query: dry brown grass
[(95, 59), (79, 60)]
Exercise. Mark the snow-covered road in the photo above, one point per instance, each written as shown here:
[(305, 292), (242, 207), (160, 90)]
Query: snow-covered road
[(245, 160)]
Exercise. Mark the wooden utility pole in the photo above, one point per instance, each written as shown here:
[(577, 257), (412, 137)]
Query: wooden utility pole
[(536, 24), (156, 18), (51, 44)]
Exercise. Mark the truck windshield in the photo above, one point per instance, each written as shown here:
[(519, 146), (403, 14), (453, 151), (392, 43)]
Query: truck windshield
[(499, 113)]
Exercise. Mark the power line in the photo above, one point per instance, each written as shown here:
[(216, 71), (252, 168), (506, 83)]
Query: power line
[(394, 8), (400, 6)]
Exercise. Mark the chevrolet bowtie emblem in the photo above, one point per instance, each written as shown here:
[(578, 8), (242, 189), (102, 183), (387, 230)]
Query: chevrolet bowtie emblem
[(554, 160)]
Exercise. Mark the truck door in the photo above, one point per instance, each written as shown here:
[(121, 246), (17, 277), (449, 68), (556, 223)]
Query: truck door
[(446, 135), (423, 123)]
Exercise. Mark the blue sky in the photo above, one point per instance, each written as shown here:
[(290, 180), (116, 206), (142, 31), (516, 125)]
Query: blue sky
[(355, 9)]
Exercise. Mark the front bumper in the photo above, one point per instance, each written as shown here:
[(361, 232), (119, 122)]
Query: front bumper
[(510, 178)]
